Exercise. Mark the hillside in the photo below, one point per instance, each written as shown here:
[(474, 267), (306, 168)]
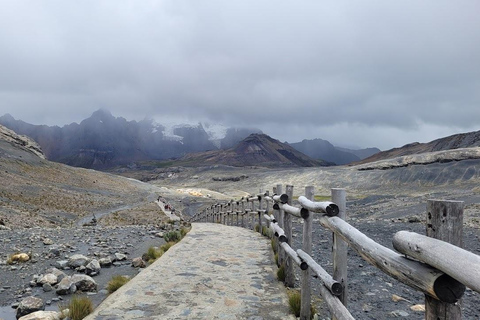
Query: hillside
[(37, 192), (255, 150), (457, 141), (103, 141)]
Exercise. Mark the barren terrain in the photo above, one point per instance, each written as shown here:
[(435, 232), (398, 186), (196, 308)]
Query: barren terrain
[(46, 200)]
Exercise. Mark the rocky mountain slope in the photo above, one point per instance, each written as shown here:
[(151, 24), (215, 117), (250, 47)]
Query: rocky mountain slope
[(463, 140), (37, 192), (256, 150), (322, 149), (104, 141)]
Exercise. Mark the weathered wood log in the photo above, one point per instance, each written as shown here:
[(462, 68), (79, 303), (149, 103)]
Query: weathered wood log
[(294, 256), (294, 211), (281, 214), (330, 208), (440, 254), (282, 198), (334, 286), (444, 222), (287, 227), (338, 310), (277, 231), (306, 284), (410, 272)]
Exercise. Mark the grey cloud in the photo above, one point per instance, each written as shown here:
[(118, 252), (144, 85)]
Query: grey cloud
[(386, 67)]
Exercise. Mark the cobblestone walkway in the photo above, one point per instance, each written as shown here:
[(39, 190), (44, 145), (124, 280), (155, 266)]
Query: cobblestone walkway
[(215, 272)]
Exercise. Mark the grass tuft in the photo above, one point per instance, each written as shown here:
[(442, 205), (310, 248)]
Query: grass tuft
[(116, 282), (78, 308), (281, 273), (295, 302)]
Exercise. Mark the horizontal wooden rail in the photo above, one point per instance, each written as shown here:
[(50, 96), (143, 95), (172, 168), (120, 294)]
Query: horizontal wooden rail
[(410, 272), (335, 287), (330, 208), (464, 268)]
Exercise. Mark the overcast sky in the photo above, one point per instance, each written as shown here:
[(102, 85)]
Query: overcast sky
[(357, 73)]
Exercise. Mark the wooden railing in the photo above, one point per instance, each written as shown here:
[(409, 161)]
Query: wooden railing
[(442, 269)]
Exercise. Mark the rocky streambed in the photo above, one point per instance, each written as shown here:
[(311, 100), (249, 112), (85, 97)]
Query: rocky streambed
[(108, 250)]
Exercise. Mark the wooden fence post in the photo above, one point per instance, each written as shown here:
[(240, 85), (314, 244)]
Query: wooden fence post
[(287, 220), (305, 309), (243, 214), (444, 222), (281, 214), (260, 208), (340, 247)]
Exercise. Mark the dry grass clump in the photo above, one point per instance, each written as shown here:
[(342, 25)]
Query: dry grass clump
[(116, 282), (77, 309)]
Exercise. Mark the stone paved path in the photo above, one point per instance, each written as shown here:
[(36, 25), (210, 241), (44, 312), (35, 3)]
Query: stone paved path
[(215, 272)]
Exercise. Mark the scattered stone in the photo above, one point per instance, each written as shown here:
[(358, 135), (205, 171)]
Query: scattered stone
[(160, 234), (84, 283), (399, 313), (20, 257), (93, 268), (77, 261), (105, 262), (48, 241), (42, 315), (29, 305), (414, 219), (138, 263), (60, 274), (367, 308), (418, 308), (396, 298), (62, 264), (49, 278), (120, 257), (47, 287), (66, 286)]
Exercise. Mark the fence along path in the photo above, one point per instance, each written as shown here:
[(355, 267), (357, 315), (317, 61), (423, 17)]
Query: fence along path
[(434, 264)]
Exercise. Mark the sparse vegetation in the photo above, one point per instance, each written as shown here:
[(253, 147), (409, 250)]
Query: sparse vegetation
[(281, 273), (267, 232), (295, 302), (173, 236), (116, 282), (78, 308)]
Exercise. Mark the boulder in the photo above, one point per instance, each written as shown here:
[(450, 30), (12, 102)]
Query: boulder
[(20, 257), (60, 274), (29, 305), (61, 264), (77, 260), (138, 263), (84, 283), (66, 286), (93, 268), (105, 262), (42, 315), (49, 278), (120, 257)]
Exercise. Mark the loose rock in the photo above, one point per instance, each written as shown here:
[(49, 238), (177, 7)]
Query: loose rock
[(29, 305)]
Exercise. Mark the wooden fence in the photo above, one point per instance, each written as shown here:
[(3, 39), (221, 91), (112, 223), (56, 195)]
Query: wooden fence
[(434, 264)]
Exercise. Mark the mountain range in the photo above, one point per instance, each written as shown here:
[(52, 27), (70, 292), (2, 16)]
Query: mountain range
[(103, 141)]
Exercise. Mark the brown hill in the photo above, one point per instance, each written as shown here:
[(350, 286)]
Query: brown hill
[(255, 150), (456, 141), (38, 192)]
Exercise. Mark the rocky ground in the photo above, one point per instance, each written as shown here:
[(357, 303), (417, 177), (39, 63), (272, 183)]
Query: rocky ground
[(48, 247), (371, 293), (380, 203)]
